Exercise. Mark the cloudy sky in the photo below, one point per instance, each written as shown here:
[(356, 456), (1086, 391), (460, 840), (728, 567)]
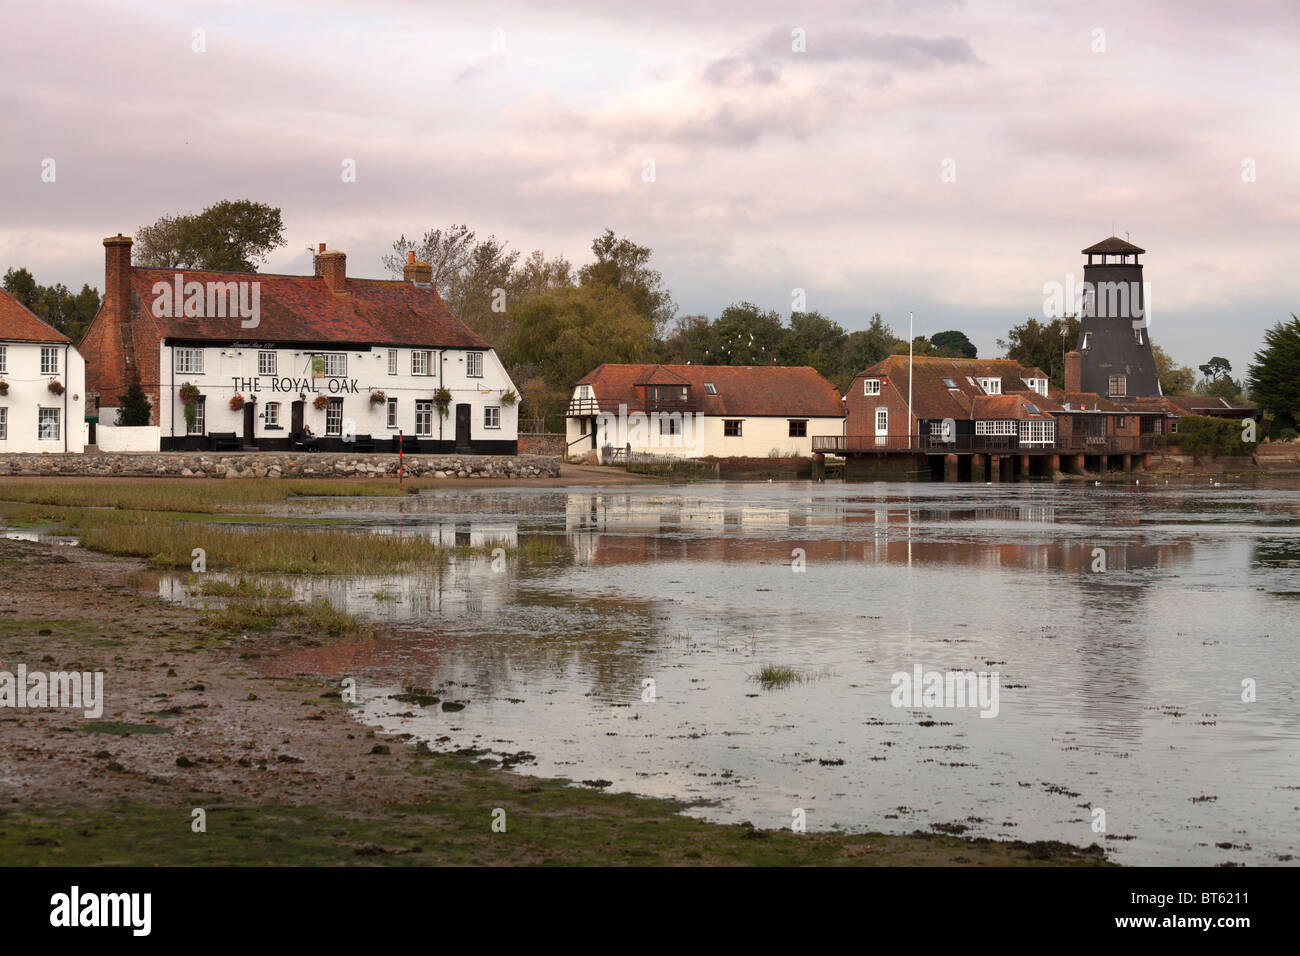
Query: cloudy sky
[(773, 168)]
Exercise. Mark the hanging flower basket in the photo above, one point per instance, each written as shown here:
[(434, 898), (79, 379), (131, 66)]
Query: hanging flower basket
[(236, 403), (56, 387), (442, 399), (187, 393), (509, 397), (4, 387), (320, 403), (377, 398)]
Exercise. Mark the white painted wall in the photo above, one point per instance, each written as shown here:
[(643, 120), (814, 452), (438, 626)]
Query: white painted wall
[(231, 370), (29, 392), (126, 438)]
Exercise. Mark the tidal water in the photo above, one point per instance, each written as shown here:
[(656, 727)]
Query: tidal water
[(1145, 638)]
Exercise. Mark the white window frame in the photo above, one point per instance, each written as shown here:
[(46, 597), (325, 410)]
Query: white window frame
[(1087, 342), (491, 416), (187, 361), (266, 362), (338, 361), (334, 418), (995, 427), (424, 416), (871, 386), (1037, 431), (1122, 380), (4, 359), (391, 406), (49, 360), (4, 422), (41, 419), (474, 364), (200, 416), (991, 386), (392, 361), (421, 362), (272, 414)]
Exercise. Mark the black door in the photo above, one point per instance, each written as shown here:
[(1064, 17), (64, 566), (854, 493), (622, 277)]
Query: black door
[(250, 417), (462, 427), (295, 418)]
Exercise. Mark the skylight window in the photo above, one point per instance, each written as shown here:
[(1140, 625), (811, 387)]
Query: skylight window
[(709, 389), (949, 382), (1032, 408)]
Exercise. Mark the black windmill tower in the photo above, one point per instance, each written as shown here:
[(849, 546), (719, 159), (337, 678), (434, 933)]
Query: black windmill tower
[(1114, 344)]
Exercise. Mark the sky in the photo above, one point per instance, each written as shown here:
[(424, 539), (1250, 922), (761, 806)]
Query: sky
[(944, 158)]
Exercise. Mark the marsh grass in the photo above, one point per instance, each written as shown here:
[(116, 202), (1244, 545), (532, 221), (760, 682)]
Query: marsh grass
[(782, 675), (249, 605), (200, 496)]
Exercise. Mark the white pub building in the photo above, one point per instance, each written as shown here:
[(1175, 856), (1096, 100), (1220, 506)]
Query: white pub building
[(324, 362), (42, 385)]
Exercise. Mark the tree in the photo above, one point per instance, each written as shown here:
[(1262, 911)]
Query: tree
[(562, 335), (868, 346), (692, 341), (1174, 379), (448, 253), (1216, 367), (747, 335), (56, 304), (228, 236), (815, 340), (134, 408), (623, 265), (480, 295), (954, 344), (1042, 345), (537, 274), (1274, 376)]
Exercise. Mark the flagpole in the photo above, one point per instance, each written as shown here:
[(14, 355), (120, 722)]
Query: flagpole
[(910, 342)]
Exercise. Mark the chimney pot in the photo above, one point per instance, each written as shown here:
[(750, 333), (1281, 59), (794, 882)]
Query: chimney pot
[(410, 257), (322, 247)]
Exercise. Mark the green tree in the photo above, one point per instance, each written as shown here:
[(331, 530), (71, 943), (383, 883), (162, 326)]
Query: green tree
[(625, 266), (1216, 367), (815, 340), (56, 304), (748, 336), (1175, 379), (446, 251), (692, 340), (560, 336), (954, 344), (1042, 345), (1274, 376), (134, 407), (228, 236), (865, 347)]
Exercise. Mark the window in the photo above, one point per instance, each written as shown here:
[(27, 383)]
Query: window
[(949, 383), (1119, 422), (200, 404), (335, 364), (48, 424), (1032, 409), (1038, 385), (991, 386), (491, 416), (392, 361), (731, 427), (871, 386), (1173, 427), (421, 362), (334, 417), (670, 424), (1087, 340), (189, 361), (1037, 432), (941, 431), (1119, 385), (4, 358), (273, 414), (668, 393), (4, 423), (995, 428), (882, 420), (710, 389), (49, 360), (392, 413), (423, 418), (474, 364), (265, 363), (1137, 335), (798, 428)]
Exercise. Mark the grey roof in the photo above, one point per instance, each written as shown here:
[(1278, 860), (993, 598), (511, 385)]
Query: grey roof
[(1113, 246)]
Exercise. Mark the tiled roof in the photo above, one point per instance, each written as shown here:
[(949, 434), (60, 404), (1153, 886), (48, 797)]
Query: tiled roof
[(741, 389), (1016, 406), (303, 309), (1113, 246), (931, 396), (19, 324)]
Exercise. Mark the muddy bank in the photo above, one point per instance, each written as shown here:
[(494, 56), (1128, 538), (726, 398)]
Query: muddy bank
[(282, 771)]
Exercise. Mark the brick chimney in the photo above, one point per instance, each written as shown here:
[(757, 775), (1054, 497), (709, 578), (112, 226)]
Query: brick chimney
[(109, 346), (333, 268), (1073, 371), (417, 271), (117, 276)]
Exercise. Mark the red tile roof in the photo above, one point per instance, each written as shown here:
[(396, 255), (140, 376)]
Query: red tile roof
[(19, 324), (780, 391), (1003, 407), (931, 396), (303, 309)]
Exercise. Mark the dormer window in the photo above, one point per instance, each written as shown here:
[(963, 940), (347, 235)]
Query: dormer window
[(1139, 337), (1038, 385), (991, 386), (1087, 341)]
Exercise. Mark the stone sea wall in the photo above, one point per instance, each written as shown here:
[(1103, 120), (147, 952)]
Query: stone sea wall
[(279, 465)]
